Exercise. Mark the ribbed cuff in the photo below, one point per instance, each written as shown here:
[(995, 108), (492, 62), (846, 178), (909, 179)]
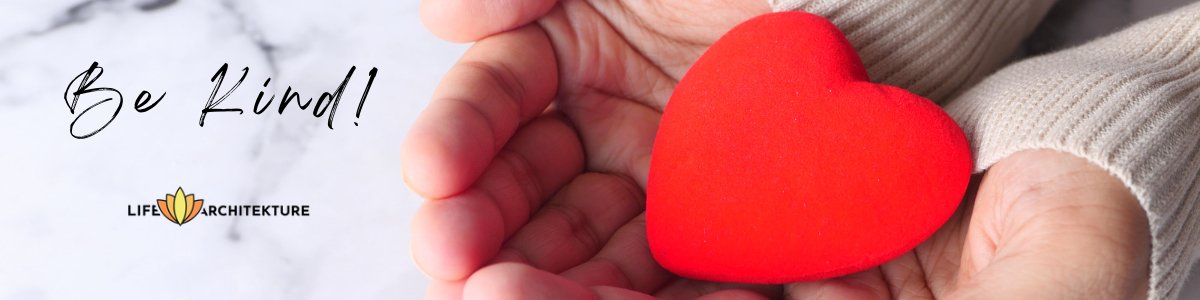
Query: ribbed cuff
[(1130, 103), (933, 48)]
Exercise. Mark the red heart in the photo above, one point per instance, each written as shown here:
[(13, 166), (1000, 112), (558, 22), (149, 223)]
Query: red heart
[(778, 161)]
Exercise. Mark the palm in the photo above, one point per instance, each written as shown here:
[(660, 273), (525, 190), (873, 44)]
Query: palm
[(560, 186), (1030, 217), (619, 62), (617, 69)]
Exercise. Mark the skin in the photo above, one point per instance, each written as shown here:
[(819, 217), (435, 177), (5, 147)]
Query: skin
[(535, 151)]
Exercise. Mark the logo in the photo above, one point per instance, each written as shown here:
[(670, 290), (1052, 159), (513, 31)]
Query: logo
[(181, 208)]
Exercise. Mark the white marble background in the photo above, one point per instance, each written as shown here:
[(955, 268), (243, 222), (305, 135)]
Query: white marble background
[(64, 232)]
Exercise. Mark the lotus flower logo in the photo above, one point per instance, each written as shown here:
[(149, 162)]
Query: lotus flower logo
[(179, 208)]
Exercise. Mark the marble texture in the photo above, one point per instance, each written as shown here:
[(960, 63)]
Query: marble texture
[(64, 229)]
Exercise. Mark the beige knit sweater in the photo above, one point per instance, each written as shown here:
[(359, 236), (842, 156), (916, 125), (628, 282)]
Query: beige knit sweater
[(1129, 102)]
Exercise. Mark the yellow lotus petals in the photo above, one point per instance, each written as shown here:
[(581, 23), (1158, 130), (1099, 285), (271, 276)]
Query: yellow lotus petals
[(180, 208)]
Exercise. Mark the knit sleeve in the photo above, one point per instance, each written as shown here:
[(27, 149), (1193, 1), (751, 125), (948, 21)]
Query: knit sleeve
[(1130, 103), (933, 48)]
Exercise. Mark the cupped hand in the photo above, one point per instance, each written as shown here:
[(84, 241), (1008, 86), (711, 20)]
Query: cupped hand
[(537, 144), (536, 147), (1038, 224)]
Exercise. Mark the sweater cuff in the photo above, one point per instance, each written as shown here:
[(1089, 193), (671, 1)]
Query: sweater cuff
[(1130, 103)]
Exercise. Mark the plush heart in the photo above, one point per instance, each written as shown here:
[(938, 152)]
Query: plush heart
[(778, 161)]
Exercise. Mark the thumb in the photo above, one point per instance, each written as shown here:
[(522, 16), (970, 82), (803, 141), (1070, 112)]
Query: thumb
[(1051, 225), (471, 20)]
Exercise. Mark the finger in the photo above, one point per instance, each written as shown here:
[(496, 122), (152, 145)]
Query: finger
[(624, 262), (905, 278), (540, 159), (732, 294), (608, 292), (519, 281), (572, 226), (1068, 229), (867, 284), (938, 259), (500, 83), (452, 237), (692, 289), (444, 290), (470, 20), (456, 236)]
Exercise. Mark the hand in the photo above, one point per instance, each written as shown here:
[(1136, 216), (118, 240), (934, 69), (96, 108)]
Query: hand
[(1041, 225), (554, 187), (551, 195)]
